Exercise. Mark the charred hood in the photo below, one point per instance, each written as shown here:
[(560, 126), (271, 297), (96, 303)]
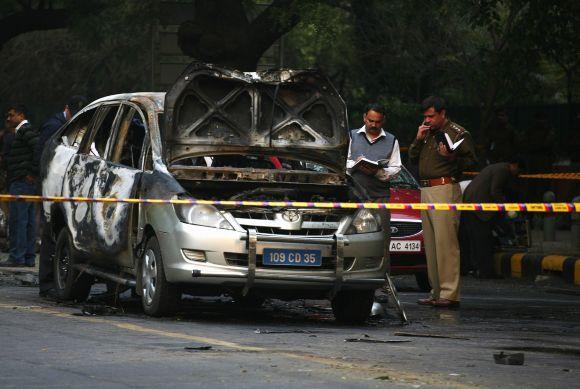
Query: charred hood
[(293, 113)]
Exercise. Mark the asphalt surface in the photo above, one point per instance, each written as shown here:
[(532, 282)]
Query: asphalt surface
[(212, 342)]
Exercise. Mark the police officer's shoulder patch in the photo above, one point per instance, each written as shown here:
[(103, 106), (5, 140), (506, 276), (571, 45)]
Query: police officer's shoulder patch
[(457, 128), (455, 131)]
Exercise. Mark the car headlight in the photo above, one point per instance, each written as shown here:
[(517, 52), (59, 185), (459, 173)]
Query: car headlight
[(201, 215), (364, 222)]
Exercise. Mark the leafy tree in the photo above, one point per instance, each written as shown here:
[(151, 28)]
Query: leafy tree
[(555, 30), (102, 52), (21, 16), (224, 32)]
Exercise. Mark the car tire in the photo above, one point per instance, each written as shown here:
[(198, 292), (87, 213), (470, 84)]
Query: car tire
[(422, 279), (69, 283), (353, 306), (158, 297)]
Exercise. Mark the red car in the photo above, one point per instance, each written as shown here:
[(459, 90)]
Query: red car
[(407, 247)]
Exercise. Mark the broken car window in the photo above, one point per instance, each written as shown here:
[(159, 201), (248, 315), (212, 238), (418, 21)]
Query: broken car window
[(102, 136), (129, 139), (75, 131)]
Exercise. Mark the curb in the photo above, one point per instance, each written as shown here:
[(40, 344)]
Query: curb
[(526, 265)]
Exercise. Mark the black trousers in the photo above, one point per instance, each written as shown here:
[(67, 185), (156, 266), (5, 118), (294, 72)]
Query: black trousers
[(45, 269), (476, 244)]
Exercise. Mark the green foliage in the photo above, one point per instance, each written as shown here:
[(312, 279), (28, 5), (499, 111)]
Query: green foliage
[(106, 50), (483, 53)]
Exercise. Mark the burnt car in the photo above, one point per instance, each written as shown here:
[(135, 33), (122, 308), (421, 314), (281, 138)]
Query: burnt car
[(407, 247), (217, 134)]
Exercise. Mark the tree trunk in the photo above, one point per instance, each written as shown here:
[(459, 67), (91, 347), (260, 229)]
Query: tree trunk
[(221, 33), (32, 20)]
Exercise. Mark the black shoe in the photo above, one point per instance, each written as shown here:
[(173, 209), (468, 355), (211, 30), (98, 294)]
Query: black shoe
[(11, 264)]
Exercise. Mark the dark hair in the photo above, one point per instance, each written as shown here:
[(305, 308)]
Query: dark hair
[(438, 103), (18, 108), (375, 107), (517, 159), (76, 103)]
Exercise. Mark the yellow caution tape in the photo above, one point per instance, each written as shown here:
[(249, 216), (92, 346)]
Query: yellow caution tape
[(542, 176), (490, 207)]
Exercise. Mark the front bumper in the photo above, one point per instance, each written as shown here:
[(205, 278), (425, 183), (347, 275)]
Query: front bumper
[(356, 260)]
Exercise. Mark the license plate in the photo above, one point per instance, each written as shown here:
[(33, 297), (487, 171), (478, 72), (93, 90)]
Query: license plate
[(292, 257), (405, 245)]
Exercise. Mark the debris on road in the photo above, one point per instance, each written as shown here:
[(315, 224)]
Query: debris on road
[(97, 310), (425, 335), (378, 309), (197, 348), (367, 340), (509, 359), (298, 331)]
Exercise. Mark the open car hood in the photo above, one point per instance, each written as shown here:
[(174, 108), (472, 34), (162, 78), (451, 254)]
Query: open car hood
[(296, 114)]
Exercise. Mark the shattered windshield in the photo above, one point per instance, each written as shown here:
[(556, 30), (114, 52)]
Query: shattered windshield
[(404, 180)]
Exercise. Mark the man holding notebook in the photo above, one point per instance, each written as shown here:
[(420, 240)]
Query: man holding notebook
[(443, 150), (373, 158)]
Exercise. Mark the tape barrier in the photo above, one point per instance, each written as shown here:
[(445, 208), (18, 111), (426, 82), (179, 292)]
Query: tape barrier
[(491, 207), (541, 176)]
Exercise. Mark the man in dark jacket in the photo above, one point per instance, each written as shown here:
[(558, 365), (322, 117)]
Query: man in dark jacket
[(45, 274), (22, 172), (6, 139), (491, 185), (74, 104)]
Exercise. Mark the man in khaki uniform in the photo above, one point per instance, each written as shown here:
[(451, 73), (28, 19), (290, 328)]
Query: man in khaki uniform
[(439, 171)]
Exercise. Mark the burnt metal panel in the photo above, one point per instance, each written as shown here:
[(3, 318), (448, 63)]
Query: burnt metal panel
[(211, 110)]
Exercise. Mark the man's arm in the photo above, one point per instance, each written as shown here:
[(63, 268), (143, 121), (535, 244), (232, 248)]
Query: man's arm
[(499, 181), (349, 162), (394, 166), (415, 150), (32, 143)]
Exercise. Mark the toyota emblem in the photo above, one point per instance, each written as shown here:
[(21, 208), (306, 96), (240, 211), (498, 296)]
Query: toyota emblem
[(291, 215)]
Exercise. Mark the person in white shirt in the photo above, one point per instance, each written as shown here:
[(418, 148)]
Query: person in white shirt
[(381, 149)]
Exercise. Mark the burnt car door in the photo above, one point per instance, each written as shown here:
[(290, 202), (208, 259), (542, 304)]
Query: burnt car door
[(79, 180), (57, 156), (118, 176)]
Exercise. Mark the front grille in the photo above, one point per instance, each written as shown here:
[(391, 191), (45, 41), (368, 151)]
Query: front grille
[(313, 223), (405, 228), (328, 263)]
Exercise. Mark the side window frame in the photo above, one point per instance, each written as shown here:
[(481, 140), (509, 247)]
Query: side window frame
[(125, 108), (104, 110), (63, 132)]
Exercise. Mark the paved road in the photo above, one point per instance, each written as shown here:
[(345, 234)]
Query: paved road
[(213, 343)]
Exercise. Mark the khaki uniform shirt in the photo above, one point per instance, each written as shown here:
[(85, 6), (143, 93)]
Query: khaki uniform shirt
[(433, 165)]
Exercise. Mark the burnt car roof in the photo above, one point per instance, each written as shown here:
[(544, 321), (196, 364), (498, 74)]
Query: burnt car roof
[(290, 113), (157, 98)]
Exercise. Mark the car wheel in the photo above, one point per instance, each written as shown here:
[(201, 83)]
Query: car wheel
[(158, 296), (352, 306), (69, 283), (423, 281)]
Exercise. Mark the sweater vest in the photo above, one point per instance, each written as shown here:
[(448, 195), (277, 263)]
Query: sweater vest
[(381, 149)]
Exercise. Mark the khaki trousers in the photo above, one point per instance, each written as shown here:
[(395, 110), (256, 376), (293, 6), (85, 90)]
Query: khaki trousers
[(440, 230)]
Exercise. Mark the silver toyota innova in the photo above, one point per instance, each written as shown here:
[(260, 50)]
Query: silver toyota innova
[(218, 134)]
